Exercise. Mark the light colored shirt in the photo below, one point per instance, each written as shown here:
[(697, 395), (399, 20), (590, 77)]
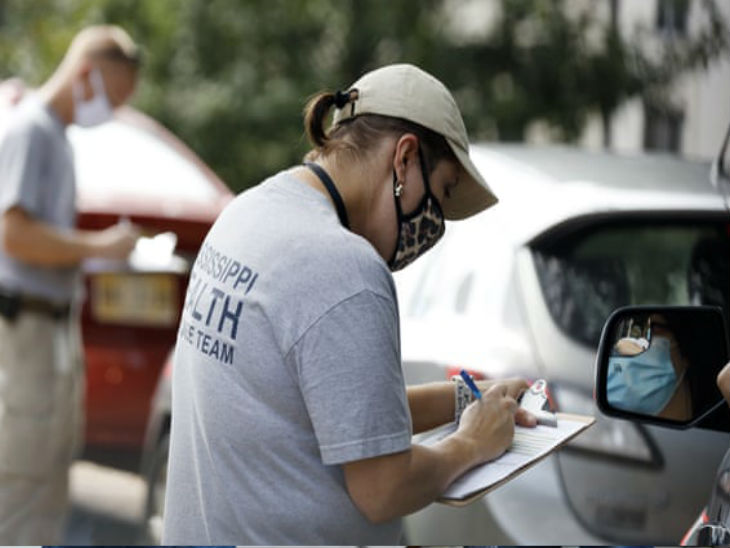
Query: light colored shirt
[(37, 175), (287, 366)]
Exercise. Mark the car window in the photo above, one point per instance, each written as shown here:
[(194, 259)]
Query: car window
[(585, 275)]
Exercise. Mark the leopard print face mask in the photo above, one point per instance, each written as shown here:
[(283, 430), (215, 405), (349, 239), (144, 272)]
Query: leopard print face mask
[(420, 230)]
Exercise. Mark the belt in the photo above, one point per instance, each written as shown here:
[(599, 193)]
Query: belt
[(11, 304)]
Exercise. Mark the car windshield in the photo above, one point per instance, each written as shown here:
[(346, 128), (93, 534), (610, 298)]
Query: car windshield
[(585, 275)]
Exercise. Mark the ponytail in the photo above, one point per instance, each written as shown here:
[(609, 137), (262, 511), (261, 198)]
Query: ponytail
[(315, 114), (316, 111)]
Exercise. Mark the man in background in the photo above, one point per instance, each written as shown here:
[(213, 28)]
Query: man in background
[(41, 367)]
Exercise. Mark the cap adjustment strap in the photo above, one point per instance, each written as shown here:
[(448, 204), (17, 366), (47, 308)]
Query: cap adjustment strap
[(342, 98)]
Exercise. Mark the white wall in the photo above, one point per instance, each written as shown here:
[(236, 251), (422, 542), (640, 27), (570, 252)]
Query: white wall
[(707, 110), (703, 96)]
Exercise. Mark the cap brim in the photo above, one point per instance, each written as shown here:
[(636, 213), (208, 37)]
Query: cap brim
[(472, 194)]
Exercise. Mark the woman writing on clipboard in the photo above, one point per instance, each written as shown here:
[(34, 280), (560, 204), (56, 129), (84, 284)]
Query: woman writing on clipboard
[(291, 422)]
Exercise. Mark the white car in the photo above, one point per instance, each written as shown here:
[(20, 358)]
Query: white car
[(524, 288)]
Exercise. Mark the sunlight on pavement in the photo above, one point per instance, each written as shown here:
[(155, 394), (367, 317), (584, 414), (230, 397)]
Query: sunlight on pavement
[(108, 491)]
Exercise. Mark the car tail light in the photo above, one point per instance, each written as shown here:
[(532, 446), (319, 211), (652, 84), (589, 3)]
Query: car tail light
[(692, 535), (454, 370), (167, 371)]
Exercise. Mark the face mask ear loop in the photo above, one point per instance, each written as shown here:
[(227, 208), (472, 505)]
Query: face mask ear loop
[(424, 171), (427, 179), (77, 90), (427, 195), (97, 81), (398, 215)]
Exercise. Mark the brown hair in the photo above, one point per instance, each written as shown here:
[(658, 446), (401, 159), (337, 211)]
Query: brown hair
[(103, 42), (359, 135), (114, 52)]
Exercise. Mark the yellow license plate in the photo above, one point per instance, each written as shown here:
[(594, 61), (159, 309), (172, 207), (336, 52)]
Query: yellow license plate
[(135, 299)]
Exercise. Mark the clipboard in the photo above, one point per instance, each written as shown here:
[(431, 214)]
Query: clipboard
[(530, 446)]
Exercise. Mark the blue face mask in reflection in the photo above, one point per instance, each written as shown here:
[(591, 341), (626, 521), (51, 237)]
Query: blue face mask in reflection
[(643, 383)]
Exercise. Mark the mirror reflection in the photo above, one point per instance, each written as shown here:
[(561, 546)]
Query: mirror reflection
[(658, 365)]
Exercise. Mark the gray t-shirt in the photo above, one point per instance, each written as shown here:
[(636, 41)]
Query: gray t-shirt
[(37, 174), (287, 365)]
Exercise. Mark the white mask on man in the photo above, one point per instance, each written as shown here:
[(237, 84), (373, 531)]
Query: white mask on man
[(95, 111)]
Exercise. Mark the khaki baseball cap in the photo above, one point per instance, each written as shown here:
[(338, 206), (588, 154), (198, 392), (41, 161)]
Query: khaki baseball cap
[(407, 92)]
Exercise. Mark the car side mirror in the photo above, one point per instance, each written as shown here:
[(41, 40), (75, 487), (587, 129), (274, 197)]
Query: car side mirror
[(659, 364)]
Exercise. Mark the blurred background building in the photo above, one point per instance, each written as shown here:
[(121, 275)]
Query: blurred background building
[(680, 105), (690, 112), (693, 114)]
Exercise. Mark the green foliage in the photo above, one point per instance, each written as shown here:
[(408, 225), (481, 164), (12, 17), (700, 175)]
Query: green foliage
[(231, 77)]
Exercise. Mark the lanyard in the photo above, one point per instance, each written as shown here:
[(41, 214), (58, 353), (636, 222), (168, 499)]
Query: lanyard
[(332, 189)]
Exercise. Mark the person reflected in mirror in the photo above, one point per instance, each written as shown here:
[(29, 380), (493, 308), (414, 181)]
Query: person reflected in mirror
[(651, 381)]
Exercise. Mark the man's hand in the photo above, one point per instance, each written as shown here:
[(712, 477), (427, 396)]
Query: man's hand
[(38, 243), (116, 242)]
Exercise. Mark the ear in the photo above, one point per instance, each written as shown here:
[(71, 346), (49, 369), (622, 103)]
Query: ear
[(406, 154), (84, 69)]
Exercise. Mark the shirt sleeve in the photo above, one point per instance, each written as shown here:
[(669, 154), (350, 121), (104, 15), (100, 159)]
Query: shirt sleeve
[(22, 153), (351, 379)]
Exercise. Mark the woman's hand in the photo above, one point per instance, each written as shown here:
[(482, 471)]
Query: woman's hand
[(514, 389), (489, 424)]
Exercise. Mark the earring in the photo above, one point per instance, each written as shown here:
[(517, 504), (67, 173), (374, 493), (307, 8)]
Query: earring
[(398, 190)]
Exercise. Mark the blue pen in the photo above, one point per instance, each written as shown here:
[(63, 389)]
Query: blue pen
[(470, 383)]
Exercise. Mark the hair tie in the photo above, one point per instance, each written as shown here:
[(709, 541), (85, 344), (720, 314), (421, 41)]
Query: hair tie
[(342, 98)]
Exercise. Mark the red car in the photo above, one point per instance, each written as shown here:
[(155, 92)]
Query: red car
[(133, 168)]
